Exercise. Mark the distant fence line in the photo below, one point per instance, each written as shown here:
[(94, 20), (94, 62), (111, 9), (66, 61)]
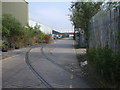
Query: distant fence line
[(104, 29)]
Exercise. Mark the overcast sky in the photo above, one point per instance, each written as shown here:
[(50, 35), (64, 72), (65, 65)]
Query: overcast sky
[(54, 14)]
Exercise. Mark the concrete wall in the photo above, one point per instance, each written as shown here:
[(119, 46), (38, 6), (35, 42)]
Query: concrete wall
[(0, 23), (104, 29), (17, 9)]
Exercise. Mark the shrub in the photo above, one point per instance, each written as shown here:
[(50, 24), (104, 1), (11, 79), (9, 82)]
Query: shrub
[(13, 32), (105, 62), (47, 38), (4, 47), (11, 28), (5, 32)]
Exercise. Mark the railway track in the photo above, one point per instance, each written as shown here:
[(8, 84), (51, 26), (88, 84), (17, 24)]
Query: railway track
[(38, 75), (61, 66)]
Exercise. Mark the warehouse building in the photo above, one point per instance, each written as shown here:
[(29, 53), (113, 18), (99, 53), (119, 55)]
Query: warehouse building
[(44, 28), (17, 9)]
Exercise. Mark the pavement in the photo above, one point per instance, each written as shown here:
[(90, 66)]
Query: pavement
[(56, 63)]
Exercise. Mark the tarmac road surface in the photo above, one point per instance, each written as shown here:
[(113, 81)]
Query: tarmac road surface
[(47, 66)]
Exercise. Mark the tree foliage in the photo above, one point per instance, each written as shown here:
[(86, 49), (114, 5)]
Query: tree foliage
[(82, 12)]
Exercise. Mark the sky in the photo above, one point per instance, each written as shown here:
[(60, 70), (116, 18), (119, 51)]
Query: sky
[(53, 14)]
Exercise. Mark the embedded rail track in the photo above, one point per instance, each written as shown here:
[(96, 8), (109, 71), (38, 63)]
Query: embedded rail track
[(61, 66), (38, 75)]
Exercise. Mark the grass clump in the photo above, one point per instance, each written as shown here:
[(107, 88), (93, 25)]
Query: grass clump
[(106, 65)]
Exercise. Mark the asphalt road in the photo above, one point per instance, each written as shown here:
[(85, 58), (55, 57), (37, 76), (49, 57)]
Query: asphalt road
[(50, 66)]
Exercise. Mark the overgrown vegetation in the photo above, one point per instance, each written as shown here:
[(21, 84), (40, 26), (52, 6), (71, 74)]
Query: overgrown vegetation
[(47, 38), (15, 35), (106, 65), (103, 63), (103, 68)]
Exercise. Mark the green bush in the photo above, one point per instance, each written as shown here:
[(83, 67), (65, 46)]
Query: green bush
[(4, 46), (105, 62), (14, 33), (5, 32), (11, 29)]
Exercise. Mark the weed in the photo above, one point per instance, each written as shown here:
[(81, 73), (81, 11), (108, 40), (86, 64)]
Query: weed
[(106, 64)]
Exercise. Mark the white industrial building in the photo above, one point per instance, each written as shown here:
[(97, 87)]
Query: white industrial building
[(44, 28), (65, 31)]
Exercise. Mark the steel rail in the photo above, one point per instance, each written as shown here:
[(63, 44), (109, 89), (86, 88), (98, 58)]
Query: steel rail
[(38, 75), (55, 63)]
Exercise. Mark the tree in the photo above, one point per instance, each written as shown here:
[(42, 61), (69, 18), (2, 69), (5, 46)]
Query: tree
[(82, 13)]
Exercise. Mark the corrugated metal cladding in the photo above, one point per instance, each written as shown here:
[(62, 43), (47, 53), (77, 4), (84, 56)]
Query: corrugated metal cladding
[(17, 9), (44, 28)]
